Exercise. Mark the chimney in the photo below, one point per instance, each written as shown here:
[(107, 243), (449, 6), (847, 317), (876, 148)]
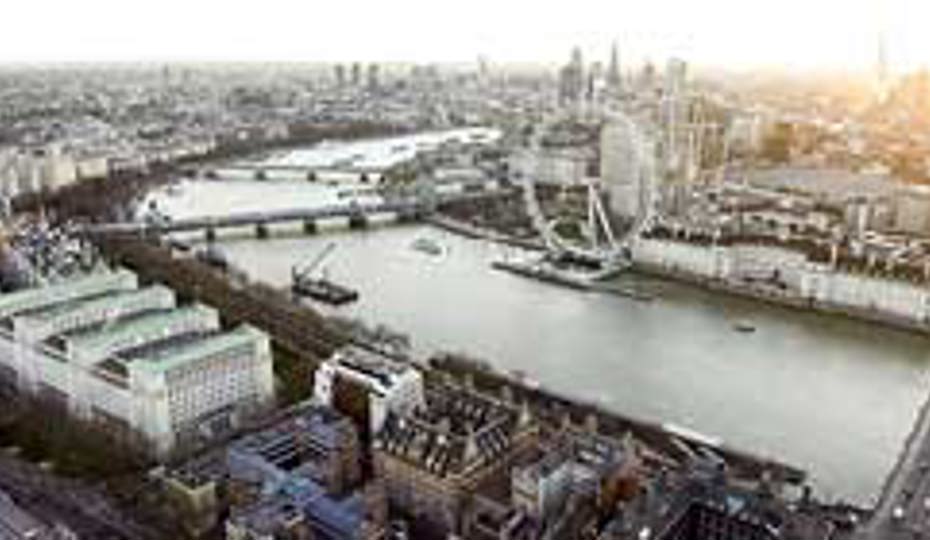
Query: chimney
[(507, 394), (590, 423), (471, 445), (526, 415)]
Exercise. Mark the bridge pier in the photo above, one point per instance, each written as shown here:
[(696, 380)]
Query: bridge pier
[(409, 216), (358, 221), (210, 234), (261, 231), (310, 226)]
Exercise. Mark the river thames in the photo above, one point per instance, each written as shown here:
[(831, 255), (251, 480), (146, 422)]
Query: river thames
[(834, 396)]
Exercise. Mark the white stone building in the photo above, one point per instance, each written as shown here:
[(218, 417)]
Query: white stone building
[(623, 170), (743, 264), (553, 166), (112, 352), (390, 385)]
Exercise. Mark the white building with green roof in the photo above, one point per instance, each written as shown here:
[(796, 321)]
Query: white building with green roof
[(130, 357)]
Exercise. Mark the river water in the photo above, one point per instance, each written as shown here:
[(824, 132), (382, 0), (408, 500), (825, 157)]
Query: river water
[(834, 396)]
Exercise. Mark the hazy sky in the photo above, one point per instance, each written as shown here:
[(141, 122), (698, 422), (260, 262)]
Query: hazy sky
[(740, 33)]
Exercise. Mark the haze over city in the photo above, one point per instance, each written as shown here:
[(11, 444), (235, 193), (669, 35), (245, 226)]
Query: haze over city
[(825, 34), (486, 270)]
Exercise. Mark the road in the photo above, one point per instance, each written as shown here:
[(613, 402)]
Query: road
[(81, 508), (903, 510)]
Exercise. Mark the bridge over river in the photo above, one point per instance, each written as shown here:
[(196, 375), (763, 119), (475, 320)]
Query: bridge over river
[(354, 213)]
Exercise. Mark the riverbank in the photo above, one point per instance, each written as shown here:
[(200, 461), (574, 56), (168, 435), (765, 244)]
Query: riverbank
[(469, 230), (761, 294), (556, 408), (775, 298), (788, 391), (111, 198)]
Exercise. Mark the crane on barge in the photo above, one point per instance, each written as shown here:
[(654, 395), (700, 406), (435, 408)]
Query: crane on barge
[(321, 289)]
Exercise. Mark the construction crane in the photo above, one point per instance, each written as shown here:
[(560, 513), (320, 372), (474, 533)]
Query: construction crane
[(320, 289), (299, 273)]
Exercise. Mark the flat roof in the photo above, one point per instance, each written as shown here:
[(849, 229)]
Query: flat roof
[(109, 299), (370, 364), (165, 358), (103, 337), (70, 289), (37, 313)]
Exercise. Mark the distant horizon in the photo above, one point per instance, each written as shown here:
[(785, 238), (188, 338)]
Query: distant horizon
[(804, 35), (774, 70)]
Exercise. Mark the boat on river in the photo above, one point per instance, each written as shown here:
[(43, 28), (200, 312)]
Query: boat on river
[(304, 283), (565, 269), (744, 325), (428, 246), (324, 290)]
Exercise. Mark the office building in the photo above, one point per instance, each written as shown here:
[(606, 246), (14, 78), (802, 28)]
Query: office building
[(374, 77), (912, 210), (572, 80), (300, 508), (702, 502), (368, 386), (314, 442), (573, 462), (303, 472), (624, 168), (109, 351), (614, 77)]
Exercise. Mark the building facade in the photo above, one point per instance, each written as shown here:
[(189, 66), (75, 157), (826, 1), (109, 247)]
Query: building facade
[(435, 459), (622, 169), (108, 351), (387, 385)]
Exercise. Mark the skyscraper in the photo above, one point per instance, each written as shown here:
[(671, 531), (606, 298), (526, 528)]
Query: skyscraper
[(622, 168), (374, 81), (572, 80), (592, 84), (674, 118), (483, 68), (614, 80), (577, 59)]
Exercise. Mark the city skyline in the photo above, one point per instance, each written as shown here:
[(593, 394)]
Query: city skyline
[(474, 271), (721, 33)]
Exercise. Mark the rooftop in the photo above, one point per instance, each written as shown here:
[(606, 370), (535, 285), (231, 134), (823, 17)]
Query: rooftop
[(373, 365), (143, 328), (458, 429), (179, 350), (280, 444), (304, 501), (70, 289), (700, 502), (109, 305)]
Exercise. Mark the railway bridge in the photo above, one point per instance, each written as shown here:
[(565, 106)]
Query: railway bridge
[(307, 220)]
